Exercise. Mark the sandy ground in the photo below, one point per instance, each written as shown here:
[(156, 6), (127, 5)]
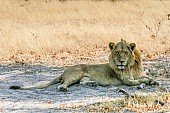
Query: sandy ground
[(52, 100)]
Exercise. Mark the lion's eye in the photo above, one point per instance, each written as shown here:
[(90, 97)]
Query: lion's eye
[(126, 53), (117, 52)]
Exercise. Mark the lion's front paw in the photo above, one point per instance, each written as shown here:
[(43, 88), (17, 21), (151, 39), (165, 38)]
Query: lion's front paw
[(149, 81), (62, 88)]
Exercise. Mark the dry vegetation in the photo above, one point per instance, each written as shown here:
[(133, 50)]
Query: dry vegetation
[(67, 32), (155, 102)]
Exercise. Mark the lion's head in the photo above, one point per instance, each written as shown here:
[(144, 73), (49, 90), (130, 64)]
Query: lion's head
[(122, 56)]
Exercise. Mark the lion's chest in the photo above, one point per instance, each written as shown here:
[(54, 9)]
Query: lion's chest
[(128, 75)]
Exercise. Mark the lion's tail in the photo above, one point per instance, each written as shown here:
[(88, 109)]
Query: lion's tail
[(55, 81)]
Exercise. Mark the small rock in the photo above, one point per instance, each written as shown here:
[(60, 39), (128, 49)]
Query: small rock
[(146, 71), (141, 86), (123, 91), (160, 102)]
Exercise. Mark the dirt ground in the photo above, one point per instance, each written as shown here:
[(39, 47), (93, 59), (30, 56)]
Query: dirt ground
[(76, 99)]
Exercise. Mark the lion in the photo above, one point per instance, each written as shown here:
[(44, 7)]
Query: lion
[(124, 68)]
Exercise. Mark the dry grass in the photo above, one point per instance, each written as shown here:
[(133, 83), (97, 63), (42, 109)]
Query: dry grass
[(40, 28), (154, 102)]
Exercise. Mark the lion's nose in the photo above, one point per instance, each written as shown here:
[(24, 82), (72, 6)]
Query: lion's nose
[(122, 62)]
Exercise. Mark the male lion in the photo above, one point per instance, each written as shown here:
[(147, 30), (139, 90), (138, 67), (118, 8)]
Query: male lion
[(124, 67)]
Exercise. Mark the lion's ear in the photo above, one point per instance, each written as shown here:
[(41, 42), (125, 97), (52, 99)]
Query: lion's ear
[(111, 45), (132, 46)]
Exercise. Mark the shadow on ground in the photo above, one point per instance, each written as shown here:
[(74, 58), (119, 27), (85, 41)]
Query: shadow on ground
[(52, 100)]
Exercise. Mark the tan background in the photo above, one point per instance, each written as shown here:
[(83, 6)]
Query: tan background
[(33, 30)]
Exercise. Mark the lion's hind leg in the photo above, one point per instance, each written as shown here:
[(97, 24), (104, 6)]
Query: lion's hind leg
[(69, 78), (68, 82)]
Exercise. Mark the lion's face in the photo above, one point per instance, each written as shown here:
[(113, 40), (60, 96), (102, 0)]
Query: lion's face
[(122, 55)]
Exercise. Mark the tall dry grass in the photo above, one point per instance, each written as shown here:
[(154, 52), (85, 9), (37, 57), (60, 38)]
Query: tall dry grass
[(45, 26)]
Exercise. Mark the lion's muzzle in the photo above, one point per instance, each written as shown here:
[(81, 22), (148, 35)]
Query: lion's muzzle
[(121, 65)]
